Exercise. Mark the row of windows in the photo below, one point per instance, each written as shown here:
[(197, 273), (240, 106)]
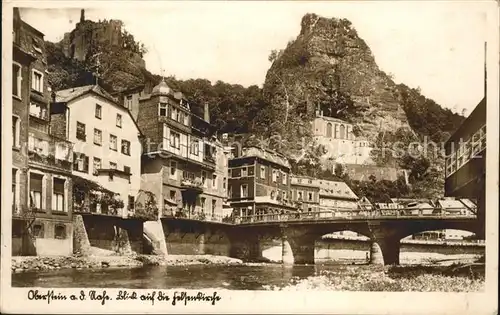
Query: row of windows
[(39, 231), (300, 196), (203, 203), (191, 176), (248, 171), (81, 164), (37, 193), (98, 115), (113, 140), (165, 110), (466, 151), (17, 78)]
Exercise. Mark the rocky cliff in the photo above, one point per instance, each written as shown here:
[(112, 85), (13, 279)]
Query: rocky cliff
[(328, 66)]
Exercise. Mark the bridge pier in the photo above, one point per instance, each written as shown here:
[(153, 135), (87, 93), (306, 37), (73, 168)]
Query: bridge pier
[(385, 251), (385, 245), (246, 247), (301, 244), (286, 251)]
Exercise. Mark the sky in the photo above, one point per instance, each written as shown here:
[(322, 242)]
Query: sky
[(437, 46)]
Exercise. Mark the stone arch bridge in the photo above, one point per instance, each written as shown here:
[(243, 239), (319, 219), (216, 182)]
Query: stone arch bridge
[(298, 236)]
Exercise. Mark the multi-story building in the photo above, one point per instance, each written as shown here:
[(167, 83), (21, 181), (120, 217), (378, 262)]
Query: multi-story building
[(182, 164), (336, 197), (305, 192), (339, 140), (465, 166), (107, 144), (259, 183), (42, 181)]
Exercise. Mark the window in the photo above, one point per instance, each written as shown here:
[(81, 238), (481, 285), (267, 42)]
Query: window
[(244, 172), (97, 165), (80, 131), (16, 79), (310, 196), (98, 111), (202, 203), (329, 130), (126, 147), (97, 137), (38, 145), (36, 195), (58, 195), (214, 181), (230, 194), (173, 114), (195, 147), (113, 142), (80, 162), (128, 101), (262, 172), (14, 188), (60, 231), (118, 120), (126, 169), (186, 120), (173, 194), (37, 81), (15, 131), (38, 230), (131, 203), (283, 178), (112, 165), (244, 191), (162, 109), (214, 206), (36, 45), (275, 176), (204, 178), (181, 117), (175, 140), (173, 169), (299, 195)]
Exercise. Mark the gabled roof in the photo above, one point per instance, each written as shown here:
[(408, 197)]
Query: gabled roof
[(68, 95)]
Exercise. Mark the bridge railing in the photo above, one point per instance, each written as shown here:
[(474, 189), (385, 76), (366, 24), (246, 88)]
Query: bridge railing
[(348, 215)]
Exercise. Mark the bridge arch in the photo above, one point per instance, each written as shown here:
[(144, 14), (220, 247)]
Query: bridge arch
[(439, 226)]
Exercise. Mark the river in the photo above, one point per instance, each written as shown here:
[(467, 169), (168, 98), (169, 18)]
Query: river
[(235, 277)]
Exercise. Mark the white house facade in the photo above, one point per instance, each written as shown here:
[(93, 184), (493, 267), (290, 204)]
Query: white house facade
[(107, 147)]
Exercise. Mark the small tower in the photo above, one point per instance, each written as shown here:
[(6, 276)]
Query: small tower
[(82, 15)]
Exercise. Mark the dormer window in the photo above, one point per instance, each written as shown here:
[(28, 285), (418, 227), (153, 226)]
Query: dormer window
[(36, 46)]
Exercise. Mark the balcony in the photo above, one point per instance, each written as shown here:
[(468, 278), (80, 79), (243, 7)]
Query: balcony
[(208, 158), (40, 112), (192, 185), (51, 152)]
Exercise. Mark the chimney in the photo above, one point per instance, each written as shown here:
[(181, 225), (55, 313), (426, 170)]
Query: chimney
[(206, 113), (82, 16)]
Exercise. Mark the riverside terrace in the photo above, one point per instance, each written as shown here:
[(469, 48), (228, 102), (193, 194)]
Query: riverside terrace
[(298, 232)]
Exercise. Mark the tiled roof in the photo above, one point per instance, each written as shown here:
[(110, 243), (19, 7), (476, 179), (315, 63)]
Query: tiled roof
[(72, 93), (336, 189), (265, 155)]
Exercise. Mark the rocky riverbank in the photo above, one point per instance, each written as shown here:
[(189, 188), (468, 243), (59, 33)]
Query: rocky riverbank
[(455, 278), (35, 263)]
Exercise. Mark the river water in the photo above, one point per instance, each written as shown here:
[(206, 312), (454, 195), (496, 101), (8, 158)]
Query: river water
[(234, 277)]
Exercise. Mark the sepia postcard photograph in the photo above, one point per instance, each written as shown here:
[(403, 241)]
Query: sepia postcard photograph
[(250, 157)]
